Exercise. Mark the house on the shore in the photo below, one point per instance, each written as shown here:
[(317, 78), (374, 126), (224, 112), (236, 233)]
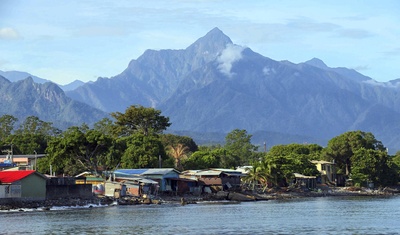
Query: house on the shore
[(304, 181), (22, 185), (166, 178), (214, 180), (327, 170), (131, 186)]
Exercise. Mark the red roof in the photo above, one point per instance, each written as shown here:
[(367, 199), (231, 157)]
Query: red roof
[(12, 176)]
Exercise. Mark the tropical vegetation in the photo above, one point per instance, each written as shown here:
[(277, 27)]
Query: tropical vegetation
[(136, 139)]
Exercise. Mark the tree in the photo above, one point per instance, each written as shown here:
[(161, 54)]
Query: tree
[(286, 162), (256, 174), (105, 126), (7, 123), (142, 151), (140, 119), (32, 136), (86, 147), (342, 148), (374, 166), (238, 143), (204, 158), (178, 152), (172, 140)]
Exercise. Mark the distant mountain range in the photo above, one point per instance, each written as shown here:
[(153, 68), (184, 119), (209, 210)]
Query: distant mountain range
[(47, 101), (14, 76), (214, 86)]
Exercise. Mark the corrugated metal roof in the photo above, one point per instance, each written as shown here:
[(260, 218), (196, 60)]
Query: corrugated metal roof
[(159, 171), (12, 176), (208, 172), (322, 162), (138, 179), (130, 171), (297, 175)]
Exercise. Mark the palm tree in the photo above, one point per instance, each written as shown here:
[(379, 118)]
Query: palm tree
[(178, 152), (255, 175), (270, 171)]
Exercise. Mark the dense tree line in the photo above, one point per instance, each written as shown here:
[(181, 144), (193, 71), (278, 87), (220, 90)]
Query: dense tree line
[(135, 139)]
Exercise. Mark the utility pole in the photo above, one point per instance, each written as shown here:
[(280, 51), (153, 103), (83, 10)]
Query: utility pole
[(35, 159)]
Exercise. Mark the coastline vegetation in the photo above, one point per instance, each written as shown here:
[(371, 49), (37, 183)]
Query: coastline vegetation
[(135, 139)]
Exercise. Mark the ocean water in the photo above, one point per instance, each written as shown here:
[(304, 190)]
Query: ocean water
[(325, 215)]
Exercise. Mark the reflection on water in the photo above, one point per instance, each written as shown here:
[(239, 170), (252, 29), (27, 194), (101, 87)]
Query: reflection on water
[(330, 215)]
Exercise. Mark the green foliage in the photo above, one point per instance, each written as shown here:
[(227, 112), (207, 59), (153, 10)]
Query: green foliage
[(7, 123), (105, 126), (239, 148), (342, 148), (142, 151), (257, 174), (289, 159), (203, 159), (139, 119), (32, 136), (85, 148), (369, 165)]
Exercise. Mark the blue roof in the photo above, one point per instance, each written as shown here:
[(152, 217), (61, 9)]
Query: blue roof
[(152, 171)]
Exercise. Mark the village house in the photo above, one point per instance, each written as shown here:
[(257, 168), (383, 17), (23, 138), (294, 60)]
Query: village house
[(131, 186), (166, 178), (22, 185), (215, 179), (303, 181), (327, 170)]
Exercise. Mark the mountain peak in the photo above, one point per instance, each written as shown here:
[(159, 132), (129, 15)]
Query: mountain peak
[(316, 63), (213, 42)]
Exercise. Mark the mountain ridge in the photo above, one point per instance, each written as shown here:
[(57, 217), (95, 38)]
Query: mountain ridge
[(215, 85)]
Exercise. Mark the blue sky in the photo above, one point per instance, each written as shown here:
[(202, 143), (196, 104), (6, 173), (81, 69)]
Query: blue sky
[(67, 40)]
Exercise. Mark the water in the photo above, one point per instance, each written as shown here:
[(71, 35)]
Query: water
[(327, 215)]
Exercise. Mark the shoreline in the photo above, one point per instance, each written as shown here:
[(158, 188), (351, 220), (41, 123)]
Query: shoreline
[(219, 197)]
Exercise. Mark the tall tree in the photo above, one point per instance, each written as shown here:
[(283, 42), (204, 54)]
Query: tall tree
[(285, 162), (81, 145), (374, 166), (7, 123), (342, 147), (32, 136), (140, 119), (256, 174), (238, 143), (206, 157), (142, 151)]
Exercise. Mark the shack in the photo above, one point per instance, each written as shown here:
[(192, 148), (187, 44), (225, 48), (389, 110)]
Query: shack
[(216, 179), (23, 185), (166, 178)]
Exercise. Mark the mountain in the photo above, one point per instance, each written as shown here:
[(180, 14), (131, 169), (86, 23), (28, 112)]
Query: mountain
[(214, 86), (72, 86), (15, 76), (47, 101), (153, 77)]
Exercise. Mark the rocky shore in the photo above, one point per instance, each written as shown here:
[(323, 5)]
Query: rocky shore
[(219, 197)]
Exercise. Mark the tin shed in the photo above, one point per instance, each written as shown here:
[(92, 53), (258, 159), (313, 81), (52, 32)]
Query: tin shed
[(29, 185)]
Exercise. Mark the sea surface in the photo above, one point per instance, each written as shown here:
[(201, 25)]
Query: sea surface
[(324, 215)]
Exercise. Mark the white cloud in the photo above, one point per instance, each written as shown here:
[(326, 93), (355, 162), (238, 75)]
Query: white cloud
[(9, 33), (229, 55)]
